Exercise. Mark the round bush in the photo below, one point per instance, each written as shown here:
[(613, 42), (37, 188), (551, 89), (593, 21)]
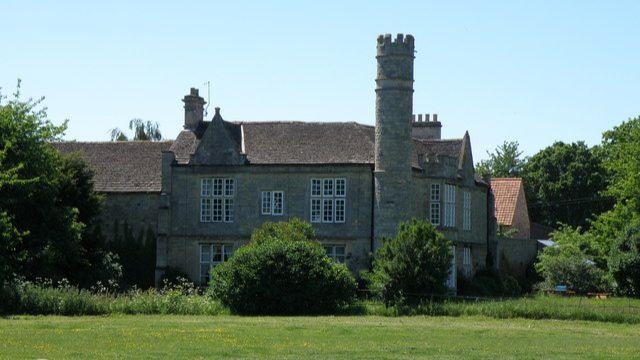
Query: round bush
[(280, 277)]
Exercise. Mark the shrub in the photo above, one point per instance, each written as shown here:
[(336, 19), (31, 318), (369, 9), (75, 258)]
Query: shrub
[(281, 272), (173, 276), (567, 265), (490, 283), (292, 230), (282, 277), (624, 262), (416, 261)]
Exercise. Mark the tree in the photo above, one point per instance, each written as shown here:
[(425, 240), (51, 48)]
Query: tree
[(564, 183), (142, 131), (505, 161), (415, 262), (47, 201), (567, 265), (621, 152), (292, 230), (624, 263)]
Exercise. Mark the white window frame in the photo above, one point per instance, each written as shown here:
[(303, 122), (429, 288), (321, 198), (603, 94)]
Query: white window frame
[(328, 202), (466, 210), (208, 262), (217, 199), (335, 255), (449, 205), (269, 202), (466, 261), (434, 204), (265, 203)]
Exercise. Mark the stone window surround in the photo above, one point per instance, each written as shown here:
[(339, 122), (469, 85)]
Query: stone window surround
[(434, 204), (217, 199), (450, 198), (269, 207), (226, 251), (336, 252), (466, 210), (328, 202)]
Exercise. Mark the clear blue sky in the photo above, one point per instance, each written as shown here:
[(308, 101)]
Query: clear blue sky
[(531, 71)]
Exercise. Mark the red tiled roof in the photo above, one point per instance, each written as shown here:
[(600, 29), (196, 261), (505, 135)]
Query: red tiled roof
[(505, 192)]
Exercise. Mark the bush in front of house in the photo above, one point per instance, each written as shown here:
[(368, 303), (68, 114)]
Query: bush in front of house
[(566, 264), (624, 262), (413, 264), (489, 283), (282, 275)]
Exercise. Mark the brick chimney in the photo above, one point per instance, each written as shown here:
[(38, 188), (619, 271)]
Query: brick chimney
[(426, 128), (193, 109)]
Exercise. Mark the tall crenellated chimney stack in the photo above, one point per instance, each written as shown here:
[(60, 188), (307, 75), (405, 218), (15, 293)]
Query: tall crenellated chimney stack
[(426, 129), (193, 109)]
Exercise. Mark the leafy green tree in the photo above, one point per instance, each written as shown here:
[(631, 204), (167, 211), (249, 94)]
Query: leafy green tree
[(564, 184), (47, 200), (621, 151), (624, 262), (415, 262), (567, 265), (142, 131), (505, 161)]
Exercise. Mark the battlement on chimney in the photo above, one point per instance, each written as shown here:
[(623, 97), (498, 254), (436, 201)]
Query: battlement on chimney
[(426, 127)]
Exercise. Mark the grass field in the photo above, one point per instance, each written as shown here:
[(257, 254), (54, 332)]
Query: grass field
[(126, 336)]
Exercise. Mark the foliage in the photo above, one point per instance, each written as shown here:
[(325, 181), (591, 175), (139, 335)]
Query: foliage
[(61, 298), (624, 263), (489, 283), (47, 200), (10, 257), (505, 161), (568, 265), (621, 148), (563, 184), (596, 248), (142, 131), (137, 254), (282, 277), (505, 232), (416, 261), (292, 230), (173, 275)]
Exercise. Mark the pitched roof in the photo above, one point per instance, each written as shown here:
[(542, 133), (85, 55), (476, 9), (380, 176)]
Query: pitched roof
[(121, 166), (292, 142), (505, 192), (136, 166)]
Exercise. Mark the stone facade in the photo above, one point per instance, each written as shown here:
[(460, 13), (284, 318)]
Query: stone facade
[(206, 191)]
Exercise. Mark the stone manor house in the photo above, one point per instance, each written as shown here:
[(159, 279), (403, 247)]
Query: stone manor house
[(206, 191)]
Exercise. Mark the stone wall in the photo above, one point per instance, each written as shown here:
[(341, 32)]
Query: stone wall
[(514, 256), (182, 231), (138, 210)]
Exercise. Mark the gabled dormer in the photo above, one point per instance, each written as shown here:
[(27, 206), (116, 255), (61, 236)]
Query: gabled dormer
[(220, 144)]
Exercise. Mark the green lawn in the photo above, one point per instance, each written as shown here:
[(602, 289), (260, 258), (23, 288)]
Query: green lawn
[(312, 337)]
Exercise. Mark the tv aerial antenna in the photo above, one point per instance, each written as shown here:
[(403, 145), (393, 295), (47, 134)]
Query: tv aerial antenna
[(208, 83)]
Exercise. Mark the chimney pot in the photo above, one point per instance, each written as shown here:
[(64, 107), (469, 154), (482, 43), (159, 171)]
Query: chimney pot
[(426, 117), (435, 117), (419, 117)]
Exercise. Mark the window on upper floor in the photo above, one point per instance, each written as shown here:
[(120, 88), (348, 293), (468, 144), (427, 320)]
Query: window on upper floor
[(466, 210), (328, 200), (272, 203), (336, 253), (449, 205), (217, 200), (211, 255), (434, 204)]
